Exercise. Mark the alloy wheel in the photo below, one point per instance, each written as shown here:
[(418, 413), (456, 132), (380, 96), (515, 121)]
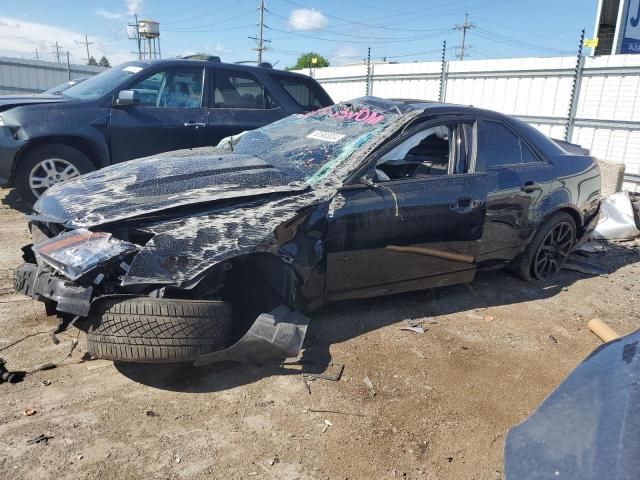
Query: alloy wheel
[(553, 251), (48, 172)]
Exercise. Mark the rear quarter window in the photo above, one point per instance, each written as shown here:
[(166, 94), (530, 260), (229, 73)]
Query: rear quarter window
[(305, 92)]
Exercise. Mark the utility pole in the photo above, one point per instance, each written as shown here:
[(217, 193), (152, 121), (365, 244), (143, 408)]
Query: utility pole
[(134, 34), (86, 43), (464, 27), (58, 51), (260, 38), (68, 66), (37, 58)]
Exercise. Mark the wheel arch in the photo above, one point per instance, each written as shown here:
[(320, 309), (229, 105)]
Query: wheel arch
[(571, 210), (97, 156)]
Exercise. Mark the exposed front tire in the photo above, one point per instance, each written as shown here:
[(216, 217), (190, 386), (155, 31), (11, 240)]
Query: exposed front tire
[(549, 248), (151, 330), (45, 165)]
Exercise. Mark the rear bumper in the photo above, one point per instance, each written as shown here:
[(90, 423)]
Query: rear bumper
[(589, 226), (69, 297)]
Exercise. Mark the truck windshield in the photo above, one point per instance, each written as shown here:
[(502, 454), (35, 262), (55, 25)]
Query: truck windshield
[(99, 85)]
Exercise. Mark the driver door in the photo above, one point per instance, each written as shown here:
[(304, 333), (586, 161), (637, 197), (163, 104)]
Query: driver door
[(167, 116), (412, 229)]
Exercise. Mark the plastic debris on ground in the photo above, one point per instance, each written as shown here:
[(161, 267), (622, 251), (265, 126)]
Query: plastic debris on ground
[(620, 217)]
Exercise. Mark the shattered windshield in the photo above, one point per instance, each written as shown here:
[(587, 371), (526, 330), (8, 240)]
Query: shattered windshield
[(307, 147), (104, 82)]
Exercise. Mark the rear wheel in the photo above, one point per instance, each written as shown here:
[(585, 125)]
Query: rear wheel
[(46, 165), (152, 330), (549, 249)]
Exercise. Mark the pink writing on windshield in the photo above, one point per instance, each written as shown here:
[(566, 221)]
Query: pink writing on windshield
[(363, 115)]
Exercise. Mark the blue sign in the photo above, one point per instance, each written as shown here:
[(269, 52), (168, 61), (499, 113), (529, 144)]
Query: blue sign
[(631, 29)]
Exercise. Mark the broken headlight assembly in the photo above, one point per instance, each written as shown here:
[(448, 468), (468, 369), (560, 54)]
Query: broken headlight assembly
[(76, 252)]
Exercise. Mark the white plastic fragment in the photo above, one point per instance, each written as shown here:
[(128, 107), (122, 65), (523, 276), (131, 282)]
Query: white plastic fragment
[(617, 222)]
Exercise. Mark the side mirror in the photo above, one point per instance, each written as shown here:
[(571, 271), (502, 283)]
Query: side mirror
[(127, 97), (367, 181)]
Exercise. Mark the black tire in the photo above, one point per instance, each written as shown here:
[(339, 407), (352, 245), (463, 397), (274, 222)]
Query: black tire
[(527, 265), (28, 161), (155, 330)]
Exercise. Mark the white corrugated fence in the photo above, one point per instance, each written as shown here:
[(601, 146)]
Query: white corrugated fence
[(18, 75)]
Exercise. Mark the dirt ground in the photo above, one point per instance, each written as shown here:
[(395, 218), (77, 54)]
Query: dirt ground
[(434, 406)]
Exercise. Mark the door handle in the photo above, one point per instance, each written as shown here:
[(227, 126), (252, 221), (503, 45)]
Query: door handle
[(195, 124), (466, 204), (530, 187)]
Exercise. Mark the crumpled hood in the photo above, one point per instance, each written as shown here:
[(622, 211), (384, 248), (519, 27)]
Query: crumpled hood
[(158, 183), (10, 101)]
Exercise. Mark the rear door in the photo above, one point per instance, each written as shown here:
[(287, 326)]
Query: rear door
[(418, 227), (518, 182), (239, 101), (169, 116)]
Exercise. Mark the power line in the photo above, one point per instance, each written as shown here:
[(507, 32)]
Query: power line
[(382, 41), (194, 28), (211, 12), (434, 30)]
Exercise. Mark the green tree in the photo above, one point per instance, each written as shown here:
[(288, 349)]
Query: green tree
[(92, 62), (306, 61), (104, 62)]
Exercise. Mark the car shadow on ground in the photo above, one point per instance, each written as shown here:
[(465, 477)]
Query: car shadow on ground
[(345, 320), (13, 200)]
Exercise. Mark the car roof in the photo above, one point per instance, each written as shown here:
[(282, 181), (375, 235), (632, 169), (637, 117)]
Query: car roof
[(209, 63), (442, 108)]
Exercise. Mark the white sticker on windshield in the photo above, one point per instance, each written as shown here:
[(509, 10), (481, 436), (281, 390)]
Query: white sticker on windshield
[(326, 136), (132, 69)]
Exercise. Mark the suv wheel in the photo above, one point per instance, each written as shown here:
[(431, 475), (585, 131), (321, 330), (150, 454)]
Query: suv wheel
[(46, 165)]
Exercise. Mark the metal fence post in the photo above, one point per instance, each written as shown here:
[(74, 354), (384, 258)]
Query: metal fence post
[(443, 73), (575, 91), (368, 90)]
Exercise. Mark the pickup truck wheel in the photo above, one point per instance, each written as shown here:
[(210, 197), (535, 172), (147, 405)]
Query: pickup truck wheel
[(45, 165), (549, 248), (152, 330)]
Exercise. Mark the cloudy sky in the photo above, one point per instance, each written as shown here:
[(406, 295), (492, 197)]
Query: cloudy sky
[(339, 29)]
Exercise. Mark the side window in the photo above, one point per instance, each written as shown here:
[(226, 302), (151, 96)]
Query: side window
[(240, 90), (434, 151), (499, 146), (306, 93), (179, 88)]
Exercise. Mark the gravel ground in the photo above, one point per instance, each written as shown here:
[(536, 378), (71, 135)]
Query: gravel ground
[(421, 406)]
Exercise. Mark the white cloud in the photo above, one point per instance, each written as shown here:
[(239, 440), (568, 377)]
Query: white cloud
[(133, 6), (307, 19), (345, 54), (20, 38), (101, 12)]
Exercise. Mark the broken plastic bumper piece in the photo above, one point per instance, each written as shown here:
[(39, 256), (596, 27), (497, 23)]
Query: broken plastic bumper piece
[(70, 298), (276, 335)]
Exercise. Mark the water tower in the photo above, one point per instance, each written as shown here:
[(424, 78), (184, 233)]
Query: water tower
[(149, 38)]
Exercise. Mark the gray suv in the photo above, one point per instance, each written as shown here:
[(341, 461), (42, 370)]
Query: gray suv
[(138, 109)]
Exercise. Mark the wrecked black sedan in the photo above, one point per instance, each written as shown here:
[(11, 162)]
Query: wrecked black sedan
[(211, 254)]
